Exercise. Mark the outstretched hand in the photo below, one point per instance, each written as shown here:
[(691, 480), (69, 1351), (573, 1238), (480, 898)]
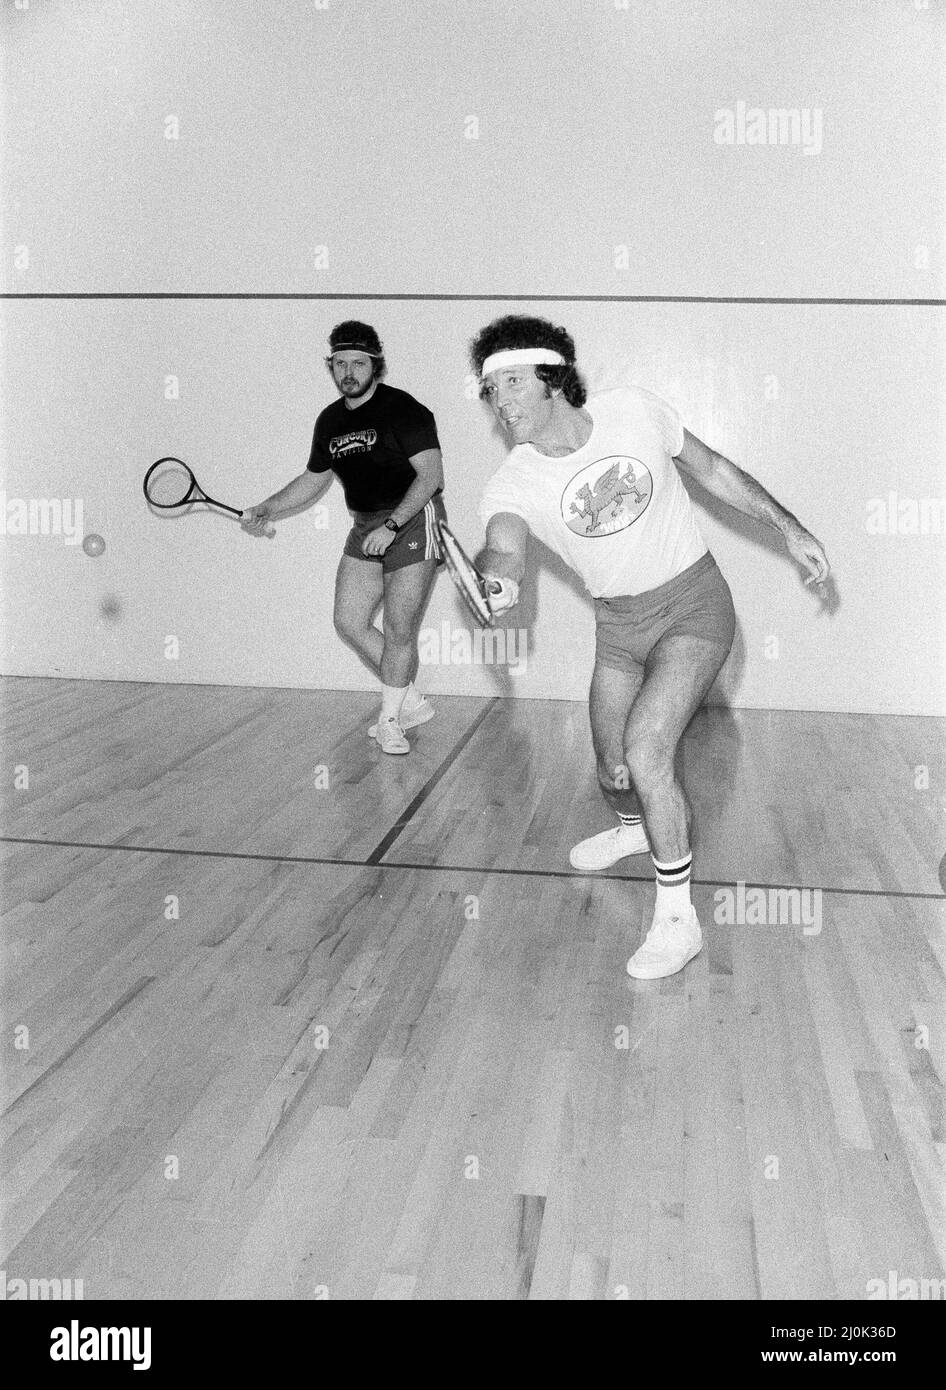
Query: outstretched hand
[(503, 593), (258, 521), (809, 553)]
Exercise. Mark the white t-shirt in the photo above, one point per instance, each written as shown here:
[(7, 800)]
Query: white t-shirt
[(615, 510)]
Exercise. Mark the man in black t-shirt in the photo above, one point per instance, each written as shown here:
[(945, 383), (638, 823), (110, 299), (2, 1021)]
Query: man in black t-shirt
[(383, 446)]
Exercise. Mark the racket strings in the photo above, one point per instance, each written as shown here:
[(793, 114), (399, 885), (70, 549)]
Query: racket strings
[(465, 575), (464, 568), (171, 485)]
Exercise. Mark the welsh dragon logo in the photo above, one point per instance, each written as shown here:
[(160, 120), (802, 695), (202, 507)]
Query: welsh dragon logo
[(607, 496)]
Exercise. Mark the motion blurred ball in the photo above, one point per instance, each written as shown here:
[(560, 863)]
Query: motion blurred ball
[(93, 545), (111, 608)]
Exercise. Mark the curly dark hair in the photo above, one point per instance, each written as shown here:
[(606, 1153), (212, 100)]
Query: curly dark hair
[(521, 331), (355, 336)]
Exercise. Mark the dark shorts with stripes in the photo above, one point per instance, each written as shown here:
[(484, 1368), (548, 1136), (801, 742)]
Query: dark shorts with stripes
[(697, 603), (415, 542)]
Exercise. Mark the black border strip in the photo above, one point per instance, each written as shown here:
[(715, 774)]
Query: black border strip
[(396, 829), (487, 298)]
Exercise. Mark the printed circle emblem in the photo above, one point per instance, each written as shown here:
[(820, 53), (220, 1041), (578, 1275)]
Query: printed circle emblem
[(607, 496)]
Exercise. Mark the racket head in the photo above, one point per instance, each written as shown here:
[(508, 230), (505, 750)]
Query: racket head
[(169, 483), (469, 583)]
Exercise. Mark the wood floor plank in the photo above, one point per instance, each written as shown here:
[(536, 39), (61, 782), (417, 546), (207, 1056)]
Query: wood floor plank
[(430, 1078)]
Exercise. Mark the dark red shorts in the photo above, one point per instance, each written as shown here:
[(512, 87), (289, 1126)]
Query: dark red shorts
[(696, 603), (415, 542)]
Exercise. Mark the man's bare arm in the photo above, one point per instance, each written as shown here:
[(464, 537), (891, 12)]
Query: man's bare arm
[(739, 490), (428, 465), (308, 487), (504, 555)]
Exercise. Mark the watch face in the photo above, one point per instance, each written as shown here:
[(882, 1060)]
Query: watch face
[(391, 525)]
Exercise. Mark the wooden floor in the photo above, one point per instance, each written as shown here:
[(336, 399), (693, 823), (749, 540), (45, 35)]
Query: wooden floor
[(388, 1048)]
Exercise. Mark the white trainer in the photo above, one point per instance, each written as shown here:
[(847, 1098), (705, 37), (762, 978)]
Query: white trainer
[(670, 943), (391, 738), (601, 851), (409, 719)]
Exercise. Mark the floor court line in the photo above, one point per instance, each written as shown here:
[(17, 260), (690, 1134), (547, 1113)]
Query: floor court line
[(384, 844), (128, 997), (332, 861)]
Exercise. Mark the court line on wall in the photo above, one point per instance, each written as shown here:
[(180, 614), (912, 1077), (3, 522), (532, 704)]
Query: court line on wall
[(333, 861), (482, 298)]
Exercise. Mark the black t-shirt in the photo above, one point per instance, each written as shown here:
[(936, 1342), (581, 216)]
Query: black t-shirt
[(370, 447)]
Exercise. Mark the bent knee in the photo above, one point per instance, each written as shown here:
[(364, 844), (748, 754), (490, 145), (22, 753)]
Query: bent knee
[(614, 777), (348, 628), (399, 634), (649, 757)]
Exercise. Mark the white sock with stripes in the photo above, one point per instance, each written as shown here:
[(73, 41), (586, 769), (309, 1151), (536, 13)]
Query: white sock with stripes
[(625, 819), (673, 886)]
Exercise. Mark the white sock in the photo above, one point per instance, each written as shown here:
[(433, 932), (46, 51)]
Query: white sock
[(392, 698), (625, 819), (673, 886), (413, 697)]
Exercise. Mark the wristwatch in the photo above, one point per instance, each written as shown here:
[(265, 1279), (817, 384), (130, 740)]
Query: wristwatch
[(392, 525)]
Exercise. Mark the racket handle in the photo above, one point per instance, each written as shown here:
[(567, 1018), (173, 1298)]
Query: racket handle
[(505, 591)]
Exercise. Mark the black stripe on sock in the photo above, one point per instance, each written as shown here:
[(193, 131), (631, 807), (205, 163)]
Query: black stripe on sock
[(669, 875)]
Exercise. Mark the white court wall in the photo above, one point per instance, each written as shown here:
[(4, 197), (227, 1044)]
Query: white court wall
[(851, 423), (325, 151), (472, 146)]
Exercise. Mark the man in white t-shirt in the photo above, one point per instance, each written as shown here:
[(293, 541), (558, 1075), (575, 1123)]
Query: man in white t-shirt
[(597, 481)]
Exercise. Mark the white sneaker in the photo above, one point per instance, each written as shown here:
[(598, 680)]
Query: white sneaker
[(409, 719), (391, 738), (601, 851), (670, 943)]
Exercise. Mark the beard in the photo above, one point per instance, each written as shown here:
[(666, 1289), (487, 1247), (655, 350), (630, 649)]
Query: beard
[(353, 389)]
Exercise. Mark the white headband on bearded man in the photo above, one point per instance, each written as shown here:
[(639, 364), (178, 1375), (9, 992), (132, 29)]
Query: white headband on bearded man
[(522, 357)]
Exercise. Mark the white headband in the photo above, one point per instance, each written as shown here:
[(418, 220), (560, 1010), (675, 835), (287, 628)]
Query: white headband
[(521, 357), (354, 347)]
